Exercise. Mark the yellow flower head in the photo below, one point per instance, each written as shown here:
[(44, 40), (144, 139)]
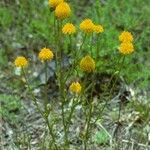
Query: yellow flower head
[(98, 29), (54, 3), (68, 28), (75, 87), (21, 61), (87, 26), (46, 54), (62, 11), (126, 48), (126, 36), (87, 64)]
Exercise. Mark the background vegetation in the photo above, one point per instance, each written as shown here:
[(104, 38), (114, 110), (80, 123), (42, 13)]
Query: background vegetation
[(26, 27)]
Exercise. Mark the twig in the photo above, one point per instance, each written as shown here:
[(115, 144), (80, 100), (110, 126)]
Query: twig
[(139, 144)]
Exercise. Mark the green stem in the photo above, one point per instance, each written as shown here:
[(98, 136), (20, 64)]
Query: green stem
[(62, 84), (72, 111), (70, 39), (91, 45), (32, 95), (51, 133), (37, 106), (84, 38), (55, 42), (97, 48), (46, 86), (88, 120)]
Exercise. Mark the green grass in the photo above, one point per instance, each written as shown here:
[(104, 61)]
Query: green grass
[(10, 108), (33, 29)]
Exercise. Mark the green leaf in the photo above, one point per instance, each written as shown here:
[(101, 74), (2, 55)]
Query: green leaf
[(101, 137)]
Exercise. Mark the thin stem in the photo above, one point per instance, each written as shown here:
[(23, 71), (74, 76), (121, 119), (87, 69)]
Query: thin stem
[(70, 39), (46, 86), (30, 90), (89, 117), (91, 45), (37, 106), (84, 38), (51, 133), (55, 37), (97, 48), (61, 83), (71, 112)]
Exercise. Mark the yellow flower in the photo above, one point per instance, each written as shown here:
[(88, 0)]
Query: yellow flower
[(75, 87), (87, 26), (98, 29), (46, 54), (126, 48), (54, 3), (126, 36), (21, 61), (69, 28), (62, 11), (87, 64)]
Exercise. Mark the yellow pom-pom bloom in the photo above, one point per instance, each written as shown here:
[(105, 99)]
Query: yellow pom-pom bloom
[(87, 64), (126, 48), (54, 3), (87, 26), (126, 36), (69, 28), (75, 87), (46, 54), (21, 61), (62, 11), (98, 29)]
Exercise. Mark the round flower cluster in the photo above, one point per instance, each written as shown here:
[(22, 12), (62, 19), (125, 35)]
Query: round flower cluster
[(126, 47), (87, 26), (62, 11), (75, 87), (87, 64), (68, 28), (125, 36), (54, 3), (45, 54), (21, 61), (98, 28)]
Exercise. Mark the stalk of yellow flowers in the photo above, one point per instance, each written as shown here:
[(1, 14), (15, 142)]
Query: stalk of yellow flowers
[(98, 29), (87, 26), (22, 62), (87, 64), (69, 29), (75, 89), (46, 55), (125, 48), (62, 12)]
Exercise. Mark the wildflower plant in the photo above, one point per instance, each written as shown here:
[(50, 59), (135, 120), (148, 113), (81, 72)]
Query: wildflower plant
[(81, 66)]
